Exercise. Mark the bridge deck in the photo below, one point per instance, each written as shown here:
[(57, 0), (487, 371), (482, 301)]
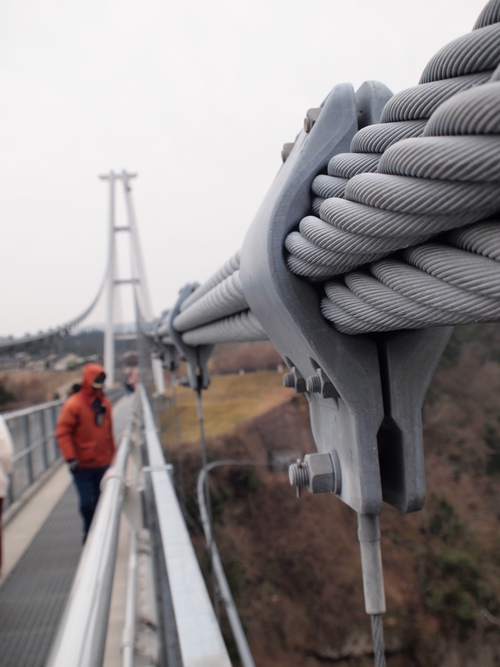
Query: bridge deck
[(33, 595)]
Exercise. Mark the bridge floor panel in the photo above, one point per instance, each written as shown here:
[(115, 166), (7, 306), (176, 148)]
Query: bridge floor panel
[(32, 598)]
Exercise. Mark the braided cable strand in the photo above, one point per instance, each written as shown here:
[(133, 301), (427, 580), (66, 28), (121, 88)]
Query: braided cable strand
[(475, 52), (460, 287), (420, 102), (432, 176), (459, 159), (432, 285), (462, 117), (414, 106), (378, 640), (488, 16), (242, 328), (361, 188), (224, 299), (378, 138), (232, 265)]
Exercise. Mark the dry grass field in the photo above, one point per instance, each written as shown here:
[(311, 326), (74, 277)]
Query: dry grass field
[(30, 387), (230, 400)]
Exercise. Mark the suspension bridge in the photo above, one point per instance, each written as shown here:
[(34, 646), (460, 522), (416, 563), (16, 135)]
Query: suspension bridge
[(379, 234)]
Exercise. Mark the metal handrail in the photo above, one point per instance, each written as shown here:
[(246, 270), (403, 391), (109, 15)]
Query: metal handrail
[(81, 637), (23, 412), (200, 638), (35, 449)]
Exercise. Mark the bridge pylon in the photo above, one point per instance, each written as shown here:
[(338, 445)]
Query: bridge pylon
[(138, 275)]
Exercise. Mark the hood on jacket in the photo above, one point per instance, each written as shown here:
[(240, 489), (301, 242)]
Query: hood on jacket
[(90, 373)]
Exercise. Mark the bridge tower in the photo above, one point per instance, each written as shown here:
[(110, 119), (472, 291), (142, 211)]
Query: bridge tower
[(138, 275)]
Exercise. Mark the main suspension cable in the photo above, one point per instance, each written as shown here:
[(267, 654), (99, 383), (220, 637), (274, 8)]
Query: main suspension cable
[(430, 166)]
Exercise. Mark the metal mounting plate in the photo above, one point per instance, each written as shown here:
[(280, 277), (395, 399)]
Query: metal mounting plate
[(372, 420), (288, 308)]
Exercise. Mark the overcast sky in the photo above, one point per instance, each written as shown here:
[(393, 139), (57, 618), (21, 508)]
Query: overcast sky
[(198, 98)]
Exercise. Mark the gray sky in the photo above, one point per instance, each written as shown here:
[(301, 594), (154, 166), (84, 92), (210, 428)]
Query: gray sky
[(196, 97)]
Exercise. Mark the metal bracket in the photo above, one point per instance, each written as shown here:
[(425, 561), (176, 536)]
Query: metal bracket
[(364, 392), (196, 357)]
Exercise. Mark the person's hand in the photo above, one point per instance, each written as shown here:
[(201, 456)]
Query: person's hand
[(72, 465)]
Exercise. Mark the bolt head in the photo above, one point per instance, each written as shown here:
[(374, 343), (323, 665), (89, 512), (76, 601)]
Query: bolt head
[(321, 473)]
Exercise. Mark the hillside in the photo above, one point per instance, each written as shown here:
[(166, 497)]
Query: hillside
[(27, 387), (293, 564)]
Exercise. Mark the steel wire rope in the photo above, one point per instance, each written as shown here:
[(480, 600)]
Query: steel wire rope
[(180, 463), (9, 344), (232, 265), (489, 14), (224, 590), (243, 327), (226, 298), (380, 197), (399, 295), (474, 52), (469, 117), (403, 116), (446, 178), (378, 640)]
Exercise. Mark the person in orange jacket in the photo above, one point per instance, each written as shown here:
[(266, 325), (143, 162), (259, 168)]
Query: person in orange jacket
[(84, 433)]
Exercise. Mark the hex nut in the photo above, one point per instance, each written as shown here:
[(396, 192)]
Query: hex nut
[(321, 473), (294, 380), (321, 384)]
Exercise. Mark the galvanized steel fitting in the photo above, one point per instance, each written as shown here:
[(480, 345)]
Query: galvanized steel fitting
[(294, 380), (321, 384), (312, 116), (319, 472)]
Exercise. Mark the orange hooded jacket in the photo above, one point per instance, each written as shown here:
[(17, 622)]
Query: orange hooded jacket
[(84, 430)]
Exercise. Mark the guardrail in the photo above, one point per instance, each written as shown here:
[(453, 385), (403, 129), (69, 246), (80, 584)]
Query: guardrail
[(193, 636), (35, 446), (198, 635)]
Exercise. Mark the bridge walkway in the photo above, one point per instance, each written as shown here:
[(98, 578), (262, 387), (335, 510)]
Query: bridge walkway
[(42, 548)]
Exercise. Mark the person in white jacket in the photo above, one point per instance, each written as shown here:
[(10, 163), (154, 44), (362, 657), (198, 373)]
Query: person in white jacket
[(6, 457)]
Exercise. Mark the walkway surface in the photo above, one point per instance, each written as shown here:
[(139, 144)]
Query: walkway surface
[(42, 548)]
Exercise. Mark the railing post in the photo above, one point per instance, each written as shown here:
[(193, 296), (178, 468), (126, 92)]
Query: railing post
[(52, 430), (43, 429), (29, 455)]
